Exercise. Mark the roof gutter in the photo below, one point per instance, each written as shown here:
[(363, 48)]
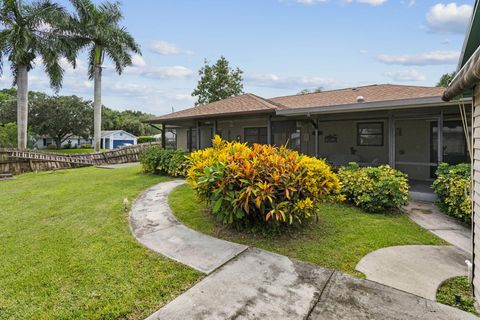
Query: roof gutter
[(466, 78), (366, 106)]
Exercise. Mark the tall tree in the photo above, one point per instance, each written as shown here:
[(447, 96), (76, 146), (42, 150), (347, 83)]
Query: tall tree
[(445, 79), (61, 117), (307, 91), (97, 29), (32, 31), (218, 82)]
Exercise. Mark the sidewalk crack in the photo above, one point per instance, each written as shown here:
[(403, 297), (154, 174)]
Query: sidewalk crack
[(319, 296)]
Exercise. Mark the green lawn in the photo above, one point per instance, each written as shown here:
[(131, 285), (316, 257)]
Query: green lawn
[(67, 251), (460, 287), (338, 241), (69, 151)]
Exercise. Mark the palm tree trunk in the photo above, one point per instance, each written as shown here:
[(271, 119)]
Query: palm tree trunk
[(97, 106), (22, 106)]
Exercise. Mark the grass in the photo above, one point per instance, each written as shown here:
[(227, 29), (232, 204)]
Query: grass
[(67, 251), (457, 292), (70, 151), (339, 240)]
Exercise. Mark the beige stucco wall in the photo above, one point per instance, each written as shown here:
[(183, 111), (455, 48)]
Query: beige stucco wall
[(182, 138), (230, 129), (346, 132)]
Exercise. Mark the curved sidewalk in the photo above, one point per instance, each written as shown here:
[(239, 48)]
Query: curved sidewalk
[(154, 225), (249, 283)]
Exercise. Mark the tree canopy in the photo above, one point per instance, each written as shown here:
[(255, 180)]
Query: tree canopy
[(217, 82), (306, 91), (445, 79), (61, 117)]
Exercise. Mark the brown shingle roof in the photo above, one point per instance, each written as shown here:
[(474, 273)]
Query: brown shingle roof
[(250, 103), (243, 104), (371, 93)]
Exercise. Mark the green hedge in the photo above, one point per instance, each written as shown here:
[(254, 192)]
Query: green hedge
[(146, 139), (452, 187), (374, 189), (164, 161)]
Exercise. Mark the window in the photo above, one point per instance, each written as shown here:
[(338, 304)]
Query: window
[(255, 135), (192, 139), (370, 134)]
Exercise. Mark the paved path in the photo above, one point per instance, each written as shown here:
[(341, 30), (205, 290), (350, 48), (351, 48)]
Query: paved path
[(154, 225), (429, 217), (248, 283), (416, 269), (119, 165)]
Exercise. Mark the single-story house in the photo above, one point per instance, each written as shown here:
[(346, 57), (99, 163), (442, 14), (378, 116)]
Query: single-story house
[(117, 138), (467, 83), (111, 139), (42, 142), (407, 127)]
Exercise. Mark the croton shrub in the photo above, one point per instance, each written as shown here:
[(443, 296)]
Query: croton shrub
[(172, 162), (374, 189), (452, 187), (260, 185)]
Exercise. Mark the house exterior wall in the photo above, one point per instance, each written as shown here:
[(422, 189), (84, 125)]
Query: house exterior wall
[(182, 138), (231, 129), (76, 142), (476, 192), (338, 143)]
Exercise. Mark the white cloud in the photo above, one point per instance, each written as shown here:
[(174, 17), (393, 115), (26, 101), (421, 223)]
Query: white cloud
[(406, 75), (275, 81), (138, 61), (450, 17), (421, 59), (370, 2), (167, 48), (140, 67), (168, 72), (310, 2)]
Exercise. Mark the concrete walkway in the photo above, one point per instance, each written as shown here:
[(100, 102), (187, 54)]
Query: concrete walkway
[(429, 217), (154, 225), (248, 283), (416, 269), (119, 165)]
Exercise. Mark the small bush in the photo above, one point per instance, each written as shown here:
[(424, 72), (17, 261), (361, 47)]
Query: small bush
[(146, 139), (452, 187), (165, 161), (86, 146), (52, 146), (260, 185), (374, 189)]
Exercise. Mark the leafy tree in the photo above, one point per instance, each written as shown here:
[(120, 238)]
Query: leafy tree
[(61, 117), (97, 29), (218, 82), (31, 31), (445, 79), (130, 121), (8, 135), (306, 91)]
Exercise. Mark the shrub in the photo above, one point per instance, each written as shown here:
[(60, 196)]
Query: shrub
[(374, 189), (260, 185), (452, 187), (145, 139), (86, 146), (165, 161), (52, 146)]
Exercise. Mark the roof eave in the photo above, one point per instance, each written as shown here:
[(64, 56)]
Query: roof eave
[(367, 106), (209, 116)]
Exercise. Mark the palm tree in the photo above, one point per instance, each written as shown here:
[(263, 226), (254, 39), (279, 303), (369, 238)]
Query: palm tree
[(31, 31), (97, 28)]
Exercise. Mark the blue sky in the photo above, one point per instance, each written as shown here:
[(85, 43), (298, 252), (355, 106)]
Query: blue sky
[(283, 46)]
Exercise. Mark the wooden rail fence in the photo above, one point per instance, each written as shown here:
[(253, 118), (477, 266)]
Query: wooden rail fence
[(15, 161)]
